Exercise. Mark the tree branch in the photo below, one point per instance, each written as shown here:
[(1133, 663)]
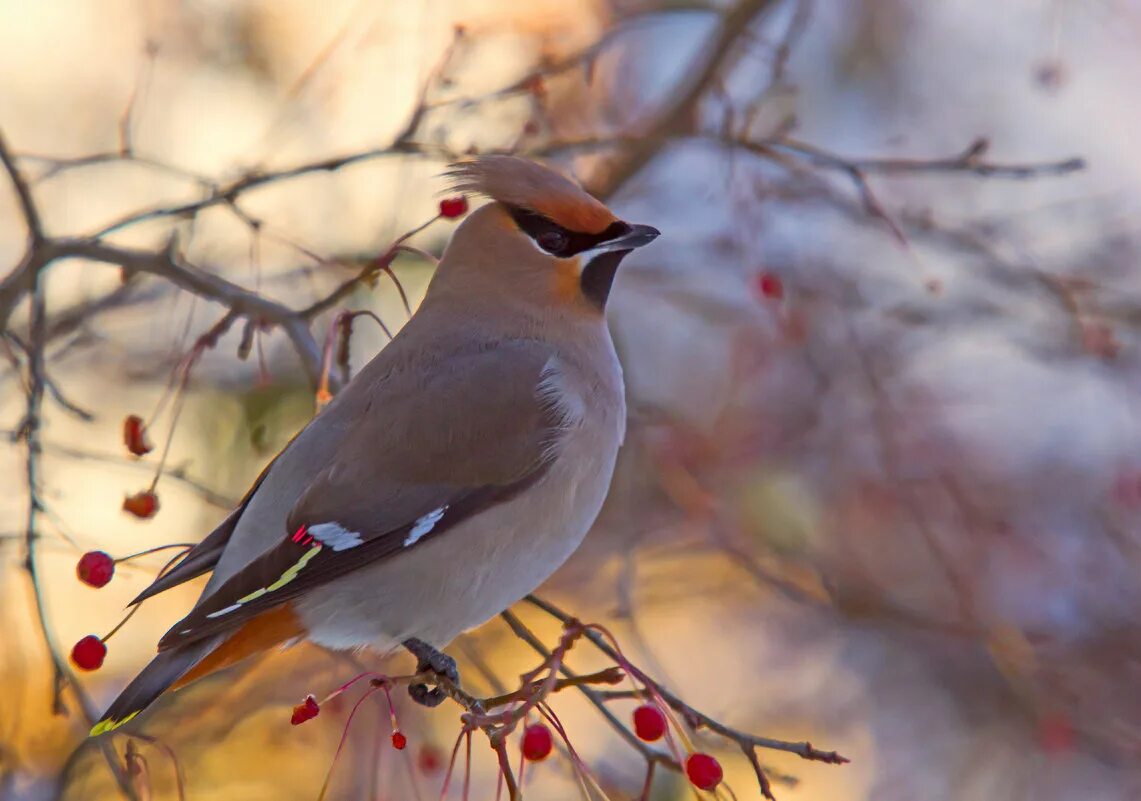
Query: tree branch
[(30, 432), (23, 194), (805, 750), (165, 264), (227, 193), (677, 117), (969, 160)]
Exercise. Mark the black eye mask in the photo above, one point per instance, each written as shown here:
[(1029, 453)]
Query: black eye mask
[(559, 241)]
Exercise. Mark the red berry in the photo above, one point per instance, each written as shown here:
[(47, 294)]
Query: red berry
[(1099, 340), (88, 653), (703, 771), (142, 504), (306, 710), (649, 723), (1056, 734), (430, 759), (95, 569), (536, 86), (452, 207), (135, 435), (770, 286), (399, 741), (537, 742)]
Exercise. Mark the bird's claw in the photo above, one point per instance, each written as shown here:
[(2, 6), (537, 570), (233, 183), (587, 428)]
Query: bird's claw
[(431, 660), (425, 696), (441, 664)]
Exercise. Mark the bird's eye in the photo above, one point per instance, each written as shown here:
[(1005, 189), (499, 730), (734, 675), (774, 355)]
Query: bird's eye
[(552, 241)]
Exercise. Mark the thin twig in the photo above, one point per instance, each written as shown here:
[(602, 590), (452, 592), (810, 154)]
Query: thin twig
[(29, 430), (678, 115), (209, 495), (610, 675), (50, 384), (252, 180), (595, 697), (382, 263), (970, 160), (23, 194), (167, 265), (57, 165), (805, 750)]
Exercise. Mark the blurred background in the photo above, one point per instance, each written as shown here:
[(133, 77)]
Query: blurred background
[(881, 488)]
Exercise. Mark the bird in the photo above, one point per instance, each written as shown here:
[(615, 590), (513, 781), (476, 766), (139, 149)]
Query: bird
[(451, 476)]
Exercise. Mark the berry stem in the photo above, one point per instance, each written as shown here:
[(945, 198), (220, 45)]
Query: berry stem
[(582, 770), (500, 746), (121, 623), (467, 767), (170, 563), (452, 763), (186, 546), (344, 738)]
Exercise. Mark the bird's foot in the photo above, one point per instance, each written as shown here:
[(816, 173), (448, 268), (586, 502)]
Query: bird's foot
[(430, 660)]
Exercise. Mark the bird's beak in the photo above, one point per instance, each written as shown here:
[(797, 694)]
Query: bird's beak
[(639, 236)]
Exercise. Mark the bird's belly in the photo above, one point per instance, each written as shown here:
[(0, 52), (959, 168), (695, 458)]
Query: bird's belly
[(472, 572)]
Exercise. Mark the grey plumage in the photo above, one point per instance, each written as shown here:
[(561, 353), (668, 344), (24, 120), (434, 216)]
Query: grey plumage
[(454, 474)]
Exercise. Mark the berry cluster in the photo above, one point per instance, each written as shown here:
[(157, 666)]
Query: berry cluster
[(650, 724), (97, 568), (702, 770)]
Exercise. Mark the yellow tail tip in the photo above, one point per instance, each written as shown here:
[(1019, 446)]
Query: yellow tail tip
[(108, 724)]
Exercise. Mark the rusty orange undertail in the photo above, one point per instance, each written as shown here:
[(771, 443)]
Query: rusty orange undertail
[(259, 634), (176, 667)]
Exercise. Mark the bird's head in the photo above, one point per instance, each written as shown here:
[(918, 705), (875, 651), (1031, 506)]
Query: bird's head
[(543, 237)]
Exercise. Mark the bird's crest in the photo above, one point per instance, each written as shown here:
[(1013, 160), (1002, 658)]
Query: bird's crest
[(518, 182)]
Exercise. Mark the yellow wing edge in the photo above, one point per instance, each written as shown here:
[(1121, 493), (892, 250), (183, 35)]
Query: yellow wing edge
[(106, 725)]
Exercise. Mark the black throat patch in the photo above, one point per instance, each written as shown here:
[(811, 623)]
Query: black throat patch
[(598, 276)]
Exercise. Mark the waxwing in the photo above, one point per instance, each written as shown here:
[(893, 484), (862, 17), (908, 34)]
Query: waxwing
[(451, 476)]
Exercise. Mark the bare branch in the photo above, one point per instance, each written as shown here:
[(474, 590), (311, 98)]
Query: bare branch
[(596, 698), (381, 264), (969, 161), (23, 193), (179, 474), (698, 719), (584, 58), (55, 165), (30, 432), (677, 118), (167, 265), (51, 385), (227, 193), (610, 675), (792, 34)]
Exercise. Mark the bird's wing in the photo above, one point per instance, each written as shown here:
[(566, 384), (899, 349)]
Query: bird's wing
[(440, 441), (204, 556)]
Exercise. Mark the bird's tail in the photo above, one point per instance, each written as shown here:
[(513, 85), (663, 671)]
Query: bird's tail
[(162, 672), (177, 666)]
